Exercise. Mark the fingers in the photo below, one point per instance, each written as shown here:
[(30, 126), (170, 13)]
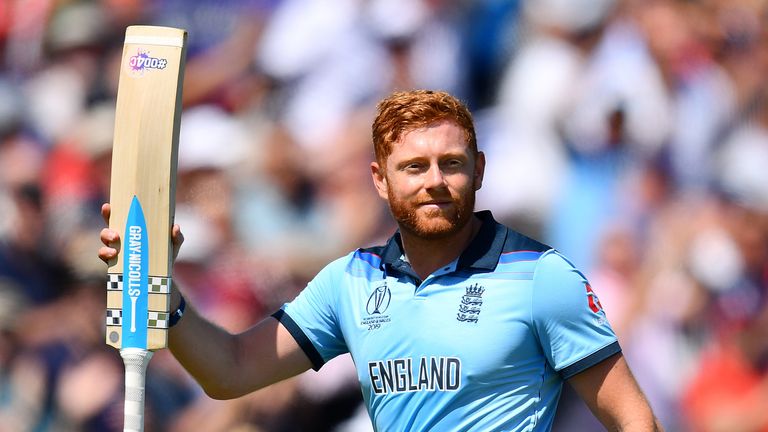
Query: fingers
[(107, 254), (111, 240), (109, 237), (176, 236), (106, 210)]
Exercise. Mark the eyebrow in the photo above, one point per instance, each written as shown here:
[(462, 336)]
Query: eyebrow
[(453, 155)]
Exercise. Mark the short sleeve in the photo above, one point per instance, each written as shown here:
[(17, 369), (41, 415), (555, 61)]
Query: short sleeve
[(312, 318), (568, 319)]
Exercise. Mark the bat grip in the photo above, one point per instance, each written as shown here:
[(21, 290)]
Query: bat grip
[(136, 361)]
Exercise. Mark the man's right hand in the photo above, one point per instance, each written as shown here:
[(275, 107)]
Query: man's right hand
[(111, 238), (227, 366)]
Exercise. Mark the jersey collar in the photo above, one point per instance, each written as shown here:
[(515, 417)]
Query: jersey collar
[(482, 253)]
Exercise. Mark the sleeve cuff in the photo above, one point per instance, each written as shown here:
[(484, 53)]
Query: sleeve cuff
[(590, 360), (301, 338)]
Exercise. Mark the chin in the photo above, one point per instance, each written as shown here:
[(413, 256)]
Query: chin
[(435, 231), (433, 227)]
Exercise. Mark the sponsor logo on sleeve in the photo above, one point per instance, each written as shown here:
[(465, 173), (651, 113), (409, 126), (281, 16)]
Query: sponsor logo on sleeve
[(594, 302), (595, 306)]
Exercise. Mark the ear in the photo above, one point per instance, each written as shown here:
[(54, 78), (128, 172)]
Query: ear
[(379, 176), (479, 170)]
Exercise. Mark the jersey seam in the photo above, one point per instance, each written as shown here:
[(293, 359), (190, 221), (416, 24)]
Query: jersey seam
[(301, 338), (535, 415), (598, 351), (358, 257), (533, 287)]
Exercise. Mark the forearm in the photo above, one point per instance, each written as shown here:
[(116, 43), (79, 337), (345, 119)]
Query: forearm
[(646, 424), (228, 366), (634, 415), (614, 397), (205, 350)]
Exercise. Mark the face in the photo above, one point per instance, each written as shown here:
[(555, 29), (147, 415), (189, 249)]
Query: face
[(430, 179)]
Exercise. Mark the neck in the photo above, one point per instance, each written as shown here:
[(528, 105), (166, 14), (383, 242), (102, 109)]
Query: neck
[(428, 255)]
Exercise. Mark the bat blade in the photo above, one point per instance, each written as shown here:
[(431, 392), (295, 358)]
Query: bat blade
[(142, 196), (142, 188)]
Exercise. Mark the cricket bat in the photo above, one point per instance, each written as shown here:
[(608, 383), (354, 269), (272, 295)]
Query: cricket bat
[(142, 196)]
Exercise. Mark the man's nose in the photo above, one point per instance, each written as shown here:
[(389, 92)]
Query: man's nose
[(435, 177)]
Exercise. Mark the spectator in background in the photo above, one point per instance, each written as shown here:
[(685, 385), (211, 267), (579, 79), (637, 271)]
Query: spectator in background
[(729, 391), (688, 75)]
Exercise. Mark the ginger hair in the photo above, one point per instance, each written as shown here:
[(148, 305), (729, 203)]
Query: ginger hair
[(403, 112)]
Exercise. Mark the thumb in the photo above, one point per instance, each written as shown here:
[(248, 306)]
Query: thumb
[(177, 238)]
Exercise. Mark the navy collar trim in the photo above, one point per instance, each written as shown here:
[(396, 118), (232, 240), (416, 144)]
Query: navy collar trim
[(482, 253)]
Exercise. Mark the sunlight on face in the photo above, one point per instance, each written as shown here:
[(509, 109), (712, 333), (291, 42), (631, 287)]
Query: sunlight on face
[(431, 178)]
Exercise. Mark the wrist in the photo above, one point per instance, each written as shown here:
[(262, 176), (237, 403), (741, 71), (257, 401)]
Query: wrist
[(178, 307), (175, 299), (177, 313)]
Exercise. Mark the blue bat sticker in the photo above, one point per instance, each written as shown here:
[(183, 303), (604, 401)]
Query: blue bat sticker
[(135, 277)]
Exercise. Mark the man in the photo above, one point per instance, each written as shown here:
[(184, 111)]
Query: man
[(457, 323)]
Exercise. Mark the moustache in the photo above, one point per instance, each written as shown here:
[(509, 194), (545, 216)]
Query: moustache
[(436, 200)]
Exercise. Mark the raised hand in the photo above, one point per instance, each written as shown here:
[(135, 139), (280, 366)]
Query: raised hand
[(111, 238)]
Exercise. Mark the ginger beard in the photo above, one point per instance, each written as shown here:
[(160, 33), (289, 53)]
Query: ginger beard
[(432, 223)]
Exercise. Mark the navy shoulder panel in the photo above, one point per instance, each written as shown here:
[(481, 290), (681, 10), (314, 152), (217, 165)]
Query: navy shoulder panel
[(373, 250), (517, 242)]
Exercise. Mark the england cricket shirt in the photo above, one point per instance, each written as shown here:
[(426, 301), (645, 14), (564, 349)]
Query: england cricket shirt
[(482, 344)]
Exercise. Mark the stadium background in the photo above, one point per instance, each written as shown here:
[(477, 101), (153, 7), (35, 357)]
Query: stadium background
[(630, 134)]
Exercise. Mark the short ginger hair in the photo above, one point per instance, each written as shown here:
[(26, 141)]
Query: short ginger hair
[(403, 112)]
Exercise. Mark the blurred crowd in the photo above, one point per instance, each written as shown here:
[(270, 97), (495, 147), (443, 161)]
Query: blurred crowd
[(632, 135)]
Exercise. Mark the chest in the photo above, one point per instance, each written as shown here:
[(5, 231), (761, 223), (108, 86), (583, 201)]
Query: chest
[(482, 322)]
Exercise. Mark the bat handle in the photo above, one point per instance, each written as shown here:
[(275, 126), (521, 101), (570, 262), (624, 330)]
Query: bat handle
[(136, 361)]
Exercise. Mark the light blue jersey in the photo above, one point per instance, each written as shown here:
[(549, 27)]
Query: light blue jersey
[(483, 344)]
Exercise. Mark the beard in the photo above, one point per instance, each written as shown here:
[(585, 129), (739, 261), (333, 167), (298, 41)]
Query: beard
[(432, 224)]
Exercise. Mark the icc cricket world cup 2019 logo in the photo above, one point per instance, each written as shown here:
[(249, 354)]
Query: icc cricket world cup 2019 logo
[(376, 306), (379, 300)]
